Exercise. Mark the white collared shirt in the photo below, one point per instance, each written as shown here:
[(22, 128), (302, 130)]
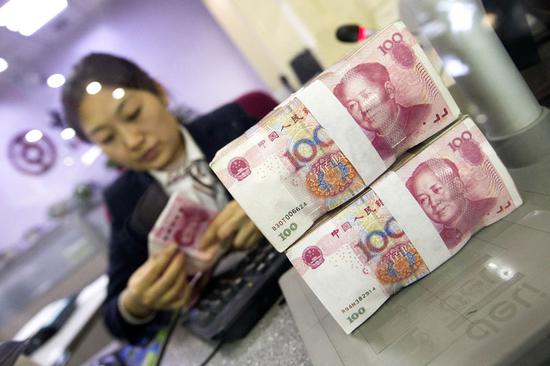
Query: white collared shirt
[(193, 176)]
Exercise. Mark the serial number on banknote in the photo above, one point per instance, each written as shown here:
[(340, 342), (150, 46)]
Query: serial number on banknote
[(358, 300), (281, 224)]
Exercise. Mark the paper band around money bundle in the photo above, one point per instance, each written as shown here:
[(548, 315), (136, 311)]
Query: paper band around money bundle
[(412, 219), (343, 129)]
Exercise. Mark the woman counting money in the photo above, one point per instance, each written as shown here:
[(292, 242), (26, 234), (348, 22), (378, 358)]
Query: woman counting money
[(113, 103)]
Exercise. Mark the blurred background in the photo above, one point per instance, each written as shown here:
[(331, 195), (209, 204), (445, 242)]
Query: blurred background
[(206, 53)]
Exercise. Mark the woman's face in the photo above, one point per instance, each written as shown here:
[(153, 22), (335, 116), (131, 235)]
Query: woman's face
[(133, 127)]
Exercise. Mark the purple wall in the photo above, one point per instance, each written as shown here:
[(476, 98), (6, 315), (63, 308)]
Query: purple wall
[(177, 41)]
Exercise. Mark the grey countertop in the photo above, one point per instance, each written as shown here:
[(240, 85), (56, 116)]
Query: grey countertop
[(273, 341)]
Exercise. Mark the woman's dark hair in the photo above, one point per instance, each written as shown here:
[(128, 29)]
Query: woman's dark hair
[(108, 70)]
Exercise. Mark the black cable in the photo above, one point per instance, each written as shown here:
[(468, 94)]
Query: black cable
[(212, 354)]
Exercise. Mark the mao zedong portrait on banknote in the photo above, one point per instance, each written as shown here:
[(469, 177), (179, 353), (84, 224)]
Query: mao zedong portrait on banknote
[(437, 186), (368, 94)]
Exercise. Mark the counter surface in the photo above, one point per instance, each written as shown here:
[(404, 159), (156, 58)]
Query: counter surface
[(273, 341)]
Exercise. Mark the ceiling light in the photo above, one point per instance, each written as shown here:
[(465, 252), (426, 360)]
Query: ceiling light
[(28, 16), (33, 136), (55, 80), (67, 133), (91, 155), (93, 88), (3, 64), (118, 93)]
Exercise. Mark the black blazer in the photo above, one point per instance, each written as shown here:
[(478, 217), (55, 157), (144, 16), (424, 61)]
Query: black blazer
[(134, 202)]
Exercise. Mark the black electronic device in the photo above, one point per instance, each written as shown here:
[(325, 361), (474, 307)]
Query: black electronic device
[(65, 308), (306, 66), (233, 303)]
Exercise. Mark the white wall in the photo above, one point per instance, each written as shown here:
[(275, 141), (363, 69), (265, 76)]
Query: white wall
[(177, 41)]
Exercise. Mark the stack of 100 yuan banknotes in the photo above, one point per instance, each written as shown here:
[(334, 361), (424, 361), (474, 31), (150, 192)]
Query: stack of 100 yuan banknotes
[(368, 177)]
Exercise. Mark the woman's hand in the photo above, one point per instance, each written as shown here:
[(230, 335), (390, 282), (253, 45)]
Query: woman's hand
[(159, 284), (231, 220)]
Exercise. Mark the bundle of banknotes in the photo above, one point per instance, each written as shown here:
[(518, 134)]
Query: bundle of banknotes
[(183, 222), (410, 221), (325, 144), (334, 178)]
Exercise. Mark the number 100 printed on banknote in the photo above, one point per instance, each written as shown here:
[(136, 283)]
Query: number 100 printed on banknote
[(326, 143)]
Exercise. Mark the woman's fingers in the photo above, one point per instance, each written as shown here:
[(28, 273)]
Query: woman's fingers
[(210, 235), (167, 279), (182, 295), (182, 300), (155, 266), (245, 233), (150, 271), (233, 224), (232, 219), (175, 292), (253, 240)]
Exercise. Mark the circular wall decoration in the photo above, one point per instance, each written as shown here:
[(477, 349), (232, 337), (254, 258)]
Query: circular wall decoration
[(32, 152)]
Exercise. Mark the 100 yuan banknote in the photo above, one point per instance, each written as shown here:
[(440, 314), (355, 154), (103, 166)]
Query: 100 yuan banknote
[(456, 186), (354, 261), (335, 136)]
